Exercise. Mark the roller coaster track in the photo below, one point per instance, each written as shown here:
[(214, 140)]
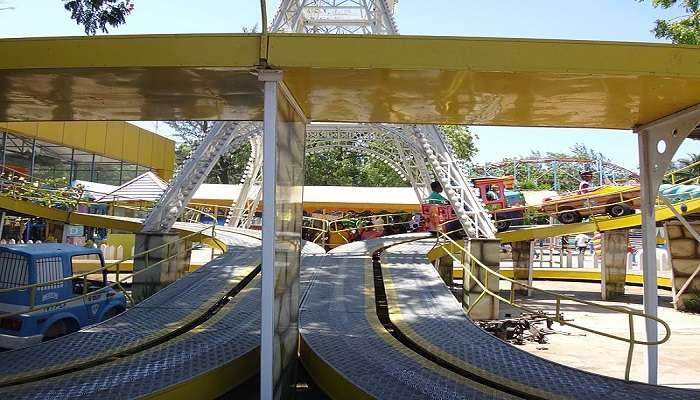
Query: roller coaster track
[(389, 328), (370, 328), (565, 160), (599, 224), (198, 337)]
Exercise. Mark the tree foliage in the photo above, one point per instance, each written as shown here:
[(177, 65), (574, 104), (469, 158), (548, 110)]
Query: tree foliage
[(461, 140), (338, 167), (96, 15), (684, 29)]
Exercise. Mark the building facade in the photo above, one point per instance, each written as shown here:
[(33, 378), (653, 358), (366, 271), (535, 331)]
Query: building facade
[(82, 151)]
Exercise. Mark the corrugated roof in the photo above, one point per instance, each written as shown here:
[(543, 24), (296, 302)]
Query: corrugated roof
[(145, 187)]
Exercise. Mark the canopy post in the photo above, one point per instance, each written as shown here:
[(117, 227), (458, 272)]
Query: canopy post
[(658, 142)]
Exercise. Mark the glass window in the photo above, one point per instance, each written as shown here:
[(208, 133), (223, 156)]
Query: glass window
[(18, 154), (128, 172), (52, 161), (107, 171)]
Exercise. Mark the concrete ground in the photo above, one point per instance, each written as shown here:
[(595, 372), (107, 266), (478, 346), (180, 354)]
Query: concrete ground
[(602, 355)]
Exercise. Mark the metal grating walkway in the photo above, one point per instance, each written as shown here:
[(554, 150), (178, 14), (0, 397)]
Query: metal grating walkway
[(190, 365), (350, 354), (341, 332), (425, 310)]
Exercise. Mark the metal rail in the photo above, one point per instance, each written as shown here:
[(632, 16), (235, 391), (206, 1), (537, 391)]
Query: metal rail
[(330, 227), (466, 256), (672, 174)]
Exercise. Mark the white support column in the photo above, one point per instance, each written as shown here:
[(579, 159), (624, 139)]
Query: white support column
[(658, 142), (284, 128), (268, 234)]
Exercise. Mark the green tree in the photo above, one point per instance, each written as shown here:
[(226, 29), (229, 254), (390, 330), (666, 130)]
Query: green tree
[(96, 15), (229, 168), (685, 28), (339, 167), (461, 140), (336, 167)]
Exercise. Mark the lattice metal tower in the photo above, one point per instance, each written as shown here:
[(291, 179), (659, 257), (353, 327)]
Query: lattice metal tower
[(419, 153), (336, 17)]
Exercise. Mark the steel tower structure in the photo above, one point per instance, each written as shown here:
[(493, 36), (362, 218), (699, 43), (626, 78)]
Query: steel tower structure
[(418, 153), (336, 17)]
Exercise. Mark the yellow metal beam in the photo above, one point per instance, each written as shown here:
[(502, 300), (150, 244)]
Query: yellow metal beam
[(567, 274), (519, 82), (130, 78), (192, 50), (406, 79)]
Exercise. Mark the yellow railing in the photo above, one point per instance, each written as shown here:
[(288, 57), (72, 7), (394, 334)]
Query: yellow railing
[(324, 228), (359, 225), (672, 174), (444, 241), (320, 234), (32, 289)]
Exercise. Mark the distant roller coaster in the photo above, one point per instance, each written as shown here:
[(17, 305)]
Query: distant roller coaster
[(554, 170)]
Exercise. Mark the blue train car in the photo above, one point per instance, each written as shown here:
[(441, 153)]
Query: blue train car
[(28, 264)]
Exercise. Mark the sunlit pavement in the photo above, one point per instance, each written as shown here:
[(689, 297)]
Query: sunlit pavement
[(607, 356)]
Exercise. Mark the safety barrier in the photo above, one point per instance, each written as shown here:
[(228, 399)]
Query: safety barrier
[(672, 175), (445, 243), (119, 280), (318, 228)]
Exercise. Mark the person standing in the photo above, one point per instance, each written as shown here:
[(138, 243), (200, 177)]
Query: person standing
[(581, 242)]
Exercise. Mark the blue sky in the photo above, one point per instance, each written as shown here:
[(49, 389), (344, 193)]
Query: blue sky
[(619, 20)]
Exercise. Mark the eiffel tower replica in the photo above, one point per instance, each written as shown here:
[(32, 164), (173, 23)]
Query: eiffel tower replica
[(375, 17)]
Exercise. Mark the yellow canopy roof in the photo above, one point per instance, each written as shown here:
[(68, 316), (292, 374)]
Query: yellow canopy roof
[(397, 79)]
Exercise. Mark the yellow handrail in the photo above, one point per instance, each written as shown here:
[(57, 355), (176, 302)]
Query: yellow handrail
[(673, 173), (473, 262)]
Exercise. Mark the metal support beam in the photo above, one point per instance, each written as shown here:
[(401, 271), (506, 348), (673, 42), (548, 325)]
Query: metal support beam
[(283, 179), (267, 379), (192, 174), (658, 141), (240, 214), (336, 16)]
